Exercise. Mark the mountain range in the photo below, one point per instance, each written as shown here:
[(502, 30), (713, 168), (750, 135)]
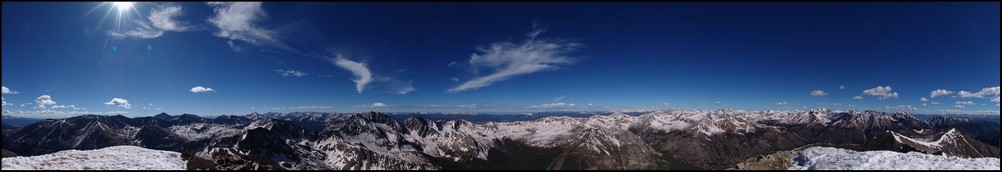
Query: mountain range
[(671, 139)]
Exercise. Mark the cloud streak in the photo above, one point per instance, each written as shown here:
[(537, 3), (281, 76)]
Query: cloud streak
[(510, 59), (290, 73), (558, 99), (552, 105), (363, 76)]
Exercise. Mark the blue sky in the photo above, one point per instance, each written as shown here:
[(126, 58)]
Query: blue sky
[(139, 60)]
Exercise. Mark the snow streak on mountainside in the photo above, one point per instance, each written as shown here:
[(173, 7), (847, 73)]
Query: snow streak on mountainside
[(110, 158), (825, 158)]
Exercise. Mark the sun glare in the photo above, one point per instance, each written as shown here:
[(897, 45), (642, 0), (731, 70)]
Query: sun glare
[(122, 6)]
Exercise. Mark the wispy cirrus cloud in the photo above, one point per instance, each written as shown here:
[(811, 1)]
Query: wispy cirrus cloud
[(238, 21), (378, 105), (290, 73), (161, 19), (553, 105), (783, 103), (558, 99), (363, 76), (510, 59), (311, 107), (881, 92)]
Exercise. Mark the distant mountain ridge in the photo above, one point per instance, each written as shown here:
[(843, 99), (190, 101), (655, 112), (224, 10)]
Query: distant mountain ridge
[(706, 139)]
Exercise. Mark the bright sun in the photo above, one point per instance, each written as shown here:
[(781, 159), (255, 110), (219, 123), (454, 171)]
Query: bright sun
[(122, 6)]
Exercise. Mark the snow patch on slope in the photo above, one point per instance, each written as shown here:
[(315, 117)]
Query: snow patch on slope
[(110, 158), (825, 158), (200, 131), (949, 137)]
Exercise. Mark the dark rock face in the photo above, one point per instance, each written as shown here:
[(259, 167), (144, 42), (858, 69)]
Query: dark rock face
[(8, 153), (724, 150)]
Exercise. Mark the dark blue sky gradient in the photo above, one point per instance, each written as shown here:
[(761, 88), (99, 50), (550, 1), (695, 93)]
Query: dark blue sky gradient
[(634, 55)]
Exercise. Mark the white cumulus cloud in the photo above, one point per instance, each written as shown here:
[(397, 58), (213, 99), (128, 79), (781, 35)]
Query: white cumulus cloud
[(881, 92), (200, 89), (841, 87), (377, 105), (939, 92), (5, 102), (8, 91), (119, 102), (857, 97), (44, 100), (362, 74), (923, 99), (934, 103), (510, 59), (985, 92), (783, 103), (818, 93), (958, 106)]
